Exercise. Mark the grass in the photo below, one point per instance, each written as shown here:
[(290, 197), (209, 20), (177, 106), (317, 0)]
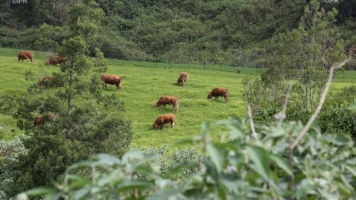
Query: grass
[(143, 84)]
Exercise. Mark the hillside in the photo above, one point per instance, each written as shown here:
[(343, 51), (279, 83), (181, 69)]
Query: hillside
[(186, 31)]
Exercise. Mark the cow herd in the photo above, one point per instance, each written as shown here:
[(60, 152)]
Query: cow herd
[(173, 100), (117, 81)]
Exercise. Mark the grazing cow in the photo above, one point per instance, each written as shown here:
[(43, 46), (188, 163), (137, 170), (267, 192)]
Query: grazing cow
[(40, 121), (216, 92), (49, 81), (183, 78), (112, 80), (164, 100), (163, 119), (25, 55), (56, 60)]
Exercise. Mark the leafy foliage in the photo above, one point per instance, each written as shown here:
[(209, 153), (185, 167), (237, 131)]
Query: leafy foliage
[(296, 61), (9, 153), (320, 166)]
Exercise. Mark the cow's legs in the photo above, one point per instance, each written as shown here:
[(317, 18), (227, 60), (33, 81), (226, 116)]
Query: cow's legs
[(172, 124), (216, 98), (176, 105)]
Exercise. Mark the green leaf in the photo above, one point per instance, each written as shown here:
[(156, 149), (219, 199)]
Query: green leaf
[(52, 196), (351, 107), (216, 156), (342, 139), (106, 159), (234, 126), (205, 128), (78, 181), (40, 191), (278, 132), (191, 140), (352, 170), (259, 157), (164, 194), (132, 184), (104, 178), (177, 168), (81, 193), (211, 169), (282, 164)]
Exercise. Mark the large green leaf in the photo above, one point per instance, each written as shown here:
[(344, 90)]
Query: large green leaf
[(53, 196), (234, 126), (216, 156), (177, 168), (164, 194), (78, 181), (133, 184), (260, 158), (351, 107), (190, 140), (282, 163), (81, 193), (40, 191)]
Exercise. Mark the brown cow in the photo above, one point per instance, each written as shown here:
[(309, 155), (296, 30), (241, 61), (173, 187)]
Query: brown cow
[(40, 121), (56, 60), (216, 92), (183, 78), (50, 81), (163, 119), (164, 100), (112, 80), (25, 55)]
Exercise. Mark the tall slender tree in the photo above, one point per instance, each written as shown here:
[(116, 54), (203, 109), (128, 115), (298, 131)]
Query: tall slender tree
[(73, 127)]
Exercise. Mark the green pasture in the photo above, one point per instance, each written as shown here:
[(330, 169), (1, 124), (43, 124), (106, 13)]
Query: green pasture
[(143, 84)]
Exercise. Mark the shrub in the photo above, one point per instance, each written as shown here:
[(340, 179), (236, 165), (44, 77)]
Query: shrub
[(9, 151), (270, 164)]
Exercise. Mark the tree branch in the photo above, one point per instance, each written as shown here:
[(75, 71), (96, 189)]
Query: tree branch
[(249, 114), (322, 99)]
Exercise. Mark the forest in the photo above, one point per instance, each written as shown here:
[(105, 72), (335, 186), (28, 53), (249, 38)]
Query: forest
[(203, 31), (295, 140)]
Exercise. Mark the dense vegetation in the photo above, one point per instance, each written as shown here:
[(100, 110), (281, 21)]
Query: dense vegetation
[(299, 45), (169, 31)]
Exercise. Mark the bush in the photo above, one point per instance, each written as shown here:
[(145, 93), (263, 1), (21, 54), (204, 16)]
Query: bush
[(9, 152), (168, 160), (270, 164)]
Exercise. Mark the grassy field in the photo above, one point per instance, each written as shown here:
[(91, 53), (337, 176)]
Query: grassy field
[(143, 84)]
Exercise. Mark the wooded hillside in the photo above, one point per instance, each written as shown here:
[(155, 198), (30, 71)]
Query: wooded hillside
[(207, 31)]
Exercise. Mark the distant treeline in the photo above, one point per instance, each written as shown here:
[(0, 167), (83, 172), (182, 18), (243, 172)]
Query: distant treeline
[(204, 31)]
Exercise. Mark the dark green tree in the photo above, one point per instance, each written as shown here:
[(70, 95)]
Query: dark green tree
[(300, 55), (73, 127)]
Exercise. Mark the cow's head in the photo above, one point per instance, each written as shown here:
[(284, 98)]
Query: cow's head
[(210, 95), (157, 104), (154, 126)]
